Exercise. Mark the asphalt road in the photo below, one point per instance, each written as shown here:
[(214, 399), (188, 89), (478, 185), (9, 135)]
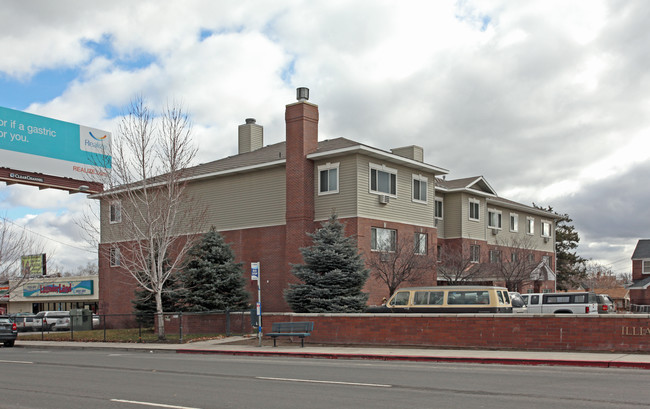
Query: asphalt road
[(53, 378)]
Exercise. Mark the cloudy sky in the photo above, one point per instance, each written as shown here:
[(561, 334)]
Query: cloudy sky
[(548, 100)]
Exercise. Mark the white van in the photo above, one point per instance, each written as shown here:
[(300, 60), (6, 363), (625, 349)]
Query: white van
[(561, 303)]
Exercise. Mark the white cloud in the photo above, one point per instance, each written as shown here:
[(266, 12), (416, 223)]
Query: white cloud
[(547, 100)]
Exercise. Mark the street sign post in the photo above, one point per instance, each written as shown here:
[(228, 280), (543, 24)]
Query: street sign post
[(255, 275)]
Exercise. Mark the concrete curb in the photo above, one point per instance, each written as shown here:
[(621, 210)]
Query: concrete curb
[(419, 358)]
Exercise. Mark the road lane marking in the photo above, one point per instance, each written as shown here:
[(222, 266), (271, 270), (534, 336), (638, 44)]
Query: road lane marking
[(158, 405), (375, 385), (15, 362)]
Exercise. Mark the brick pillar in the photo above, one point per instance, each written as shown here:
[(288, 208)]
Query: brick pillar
[(302, 138)]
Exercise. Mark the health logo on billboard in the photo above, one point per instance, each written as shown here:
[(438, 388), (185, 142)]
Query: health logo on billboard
[(34, 143)]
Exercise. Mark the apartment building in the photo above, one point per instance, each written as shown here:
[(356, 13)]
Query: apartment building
[(265, 200)]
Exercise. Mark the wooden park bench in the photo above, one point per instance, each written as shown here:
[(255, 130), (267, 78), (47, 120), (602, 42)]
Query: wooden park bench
[(300, 329)]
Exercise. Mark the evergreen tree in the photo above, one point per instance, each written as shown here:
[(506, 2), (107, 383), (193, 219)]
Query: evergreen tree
[(570, 267), (332, 276), (144, 303), (211, 279)]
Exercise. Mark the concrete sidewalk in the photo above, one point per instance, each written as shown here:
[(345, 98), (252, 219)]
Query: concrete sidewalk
[(234, 346)]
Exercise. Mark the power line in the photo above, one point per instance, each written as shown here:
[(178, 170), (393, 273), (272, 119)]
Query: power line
[(46, 237)]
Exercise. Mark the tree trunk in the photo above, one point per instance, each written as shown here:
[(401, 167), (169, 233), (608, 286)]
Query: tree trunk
[(159, 316)]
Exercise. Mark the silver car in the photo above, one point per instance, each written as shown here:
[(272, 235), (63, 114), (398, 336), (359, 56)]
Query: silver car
[(606, 305), (518, 304)]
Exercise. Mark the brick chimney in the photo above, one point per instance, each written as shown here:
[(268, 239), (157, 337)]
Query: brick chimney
[(302, 138), (251, 136)]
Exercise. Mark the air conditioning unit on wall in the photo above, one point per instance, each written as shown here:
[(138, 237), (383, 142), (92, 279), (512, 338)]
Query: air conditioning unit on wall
[(384, 199), (495, 232)]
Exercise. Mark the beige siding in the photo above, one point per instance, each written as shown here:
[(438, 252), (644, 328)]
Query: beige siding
[(343, 203), (401, 208), (245, 200), (473, 229), (252, 199), (453, 216)]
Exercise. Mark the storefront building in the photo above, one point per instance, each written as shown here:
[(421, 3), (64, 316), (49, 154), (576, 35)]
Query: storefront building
[(53, 294)]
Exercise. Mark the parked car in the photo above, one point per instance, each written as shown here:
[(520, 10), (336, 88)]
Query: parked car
[(8, 331), (50, 319), (518, 304), (561, 303), (606, 305), (27, 322)]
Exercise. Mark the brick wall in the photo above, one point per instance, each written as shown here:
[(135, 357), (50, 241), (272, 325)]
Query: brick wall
[(621, 333)]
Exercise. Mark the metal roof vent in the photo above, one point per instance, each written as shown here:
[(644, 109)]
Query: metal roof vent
[(302, 94)]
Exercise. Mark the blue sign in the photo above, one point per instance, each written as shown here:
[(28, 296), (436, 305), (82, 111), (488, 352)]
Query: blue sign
[(38, 144), (255, 271)]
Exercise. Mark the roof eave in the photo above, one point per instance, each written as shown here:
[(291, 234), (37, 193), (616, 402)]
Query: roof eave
[(379, 154)]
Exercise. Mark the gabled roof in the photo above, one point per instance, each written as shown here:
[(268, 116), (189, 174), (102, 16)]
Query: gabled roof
[(542, 272), (478, 185), (475, 183), (642, 250)]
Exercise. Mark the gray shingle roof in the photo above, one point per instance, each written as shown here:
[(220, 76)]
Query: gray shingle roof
[(640, 284), (642, 250)]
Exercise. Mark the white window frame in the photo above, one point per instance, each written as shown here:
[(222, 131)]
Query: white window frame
[(420, 180), (115, 212), (549, 224), (420, 239), (439, 215), (472, 202), (493, 213), (375, 245), (547, 260), (530, 225), (514, 222), (645, 266), (114, 256), (328, 167), (474, 253), (392, 188), (495, 256)]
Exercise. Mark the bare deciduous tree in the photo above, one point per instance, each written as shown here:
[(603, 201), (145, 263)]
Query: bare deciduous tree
[(601, 277), (511, 262), (148, 183), (15, 242), (401, 261), (457, 266)]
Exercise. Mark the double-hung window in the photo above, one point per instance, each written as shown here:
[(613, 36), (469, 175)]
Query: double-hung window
[(383, 239), (115, 211), (420, 243), (514, 222), (474, 209), (420, 188), (646, 267), (475, 253), (546, 229), (530, 225), (328, 179), (439, 208), (495, 256), (494, 219), (114, 256), (383, 180)]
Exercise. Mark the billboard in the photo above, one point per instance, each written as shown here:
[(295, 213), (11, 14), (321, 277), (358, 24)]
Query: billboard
[(33, 265), (79, 287), (34, 143)]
